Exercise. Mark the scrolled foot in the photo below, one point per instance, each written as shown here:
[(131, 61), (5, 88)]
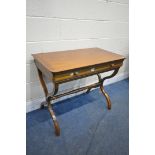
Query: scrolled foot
[(88, 91), (42, 105), (57, 128), (56, 125), (106, 96), (109, 106)]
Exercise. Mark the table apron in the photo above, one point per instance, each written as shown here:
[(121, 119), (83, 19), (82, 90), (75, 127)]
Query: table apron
[(76, 77)]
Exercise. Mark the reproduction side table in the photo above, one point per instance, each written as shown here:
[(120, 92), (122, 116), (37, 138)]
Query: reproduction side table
[(63, 66)]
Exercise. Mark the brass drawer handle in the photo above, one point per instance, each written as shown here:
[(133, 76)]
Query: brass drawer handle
[(71, 74), (74, 73), (92, 69)]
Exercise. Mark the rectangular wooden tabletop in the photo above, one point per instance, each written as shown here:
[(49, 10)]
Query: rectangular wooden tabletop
[(73, 59)]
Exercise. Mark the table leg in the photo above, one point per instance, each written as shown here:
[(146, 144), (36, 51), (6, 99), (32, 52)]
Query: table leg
[(102, 88), (55, 90), (55, 122), (88, 90)]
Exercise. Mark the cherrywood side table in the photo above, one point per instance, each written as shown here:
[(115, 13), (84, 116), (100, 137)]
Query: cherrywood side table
[(63, 66)]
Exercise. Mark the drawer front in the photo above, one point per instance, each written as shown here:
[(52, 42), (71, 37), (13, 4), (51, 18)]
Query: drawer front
[(85, 72)]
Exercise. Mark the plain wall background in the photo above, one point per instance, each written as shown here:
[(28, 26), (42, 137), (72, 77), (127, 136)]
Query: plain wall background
[(54, 25)]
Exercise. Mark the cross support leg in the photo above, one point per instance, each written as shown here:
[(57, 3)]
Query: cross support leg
[(55, 89), (102, 88), (55, 122), (53, 96), (106, 96)]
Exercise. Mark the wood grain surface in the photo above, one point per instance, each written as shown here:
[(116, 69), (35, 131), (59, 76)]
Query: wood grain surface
[(73, 59)]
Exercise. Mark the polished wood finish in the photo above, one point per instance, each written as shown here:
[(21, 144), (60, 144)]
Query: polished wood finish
[(102, 88), (42, 81), (84, 72), (61, 61), (63, 66)]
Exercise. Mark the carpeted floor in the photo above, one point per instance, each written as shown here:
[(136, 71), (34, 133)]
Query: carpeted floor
[(87, 127)]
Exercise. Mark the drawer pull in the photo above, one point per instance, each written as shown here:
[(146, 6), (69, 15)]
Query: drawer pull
[(76, 73), (71, 74), (92, 69)]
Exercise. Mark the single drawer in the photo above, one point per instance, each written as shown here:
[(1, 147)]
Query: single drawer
[(70, 75)]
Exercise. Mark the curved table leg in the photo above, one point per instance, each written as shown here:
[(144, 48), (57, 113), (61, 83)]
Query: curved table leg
[(55, 122), (106, 96), (102, 88), (55, 90)]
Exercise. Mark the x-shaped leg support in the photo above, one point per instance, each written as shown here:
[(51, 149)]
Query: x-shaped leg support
[(50, 109), (52, 96), (102, 88)]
